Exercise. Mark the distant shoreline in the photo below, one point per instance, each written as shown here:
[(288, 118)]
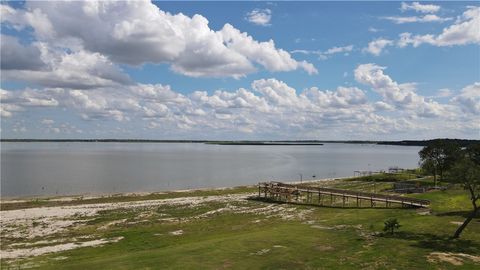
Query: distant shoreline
[(461, 142), (264, 143)]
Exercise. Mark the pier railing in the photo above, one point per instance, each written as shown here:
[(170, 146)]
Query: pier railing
[(319, 195)]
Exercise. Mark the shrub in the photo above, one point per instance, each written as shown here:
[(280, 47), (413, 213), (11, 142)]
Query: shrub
[(391, 225)]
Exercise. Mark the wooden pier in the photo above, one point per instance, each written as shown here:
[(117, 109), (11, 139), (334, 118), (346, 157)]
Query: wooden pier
[(289, 193)]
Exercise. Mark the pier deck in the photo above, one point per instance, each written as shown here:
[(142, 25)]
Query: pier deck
[(321, 196)]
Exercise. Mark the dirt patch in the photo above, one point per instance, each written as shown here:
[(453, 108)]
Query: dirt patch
[(452, 258), (32, 252), (324, 248), (322, 227), (113, 223), (178, 232), (424, 212), (261, 252), (456, 222)]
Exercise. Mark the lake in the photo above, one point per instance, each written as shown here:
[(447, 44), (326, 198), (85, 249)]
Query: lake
[(67, 168)]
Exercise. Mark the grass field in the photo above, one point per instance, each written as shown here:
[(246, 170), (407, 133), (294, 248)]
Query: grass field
[(223, 229)]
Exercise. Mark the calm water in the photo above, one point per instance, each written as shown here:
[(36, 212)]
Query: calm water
[(93, 168)]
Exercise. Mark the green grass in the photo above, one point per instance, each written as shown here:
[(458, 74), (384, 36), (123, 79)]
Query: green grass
[(387, 177), (325, 238)]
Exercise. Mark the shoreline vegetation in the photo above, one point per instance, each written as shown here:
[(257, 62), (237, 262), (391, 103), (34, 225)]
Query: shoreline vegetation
[(227, 228), (460, 142)]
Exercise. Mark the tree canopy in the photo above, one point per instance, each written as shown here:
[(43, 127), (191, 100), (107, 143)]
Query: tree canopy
[(438, 157), (464, 169)]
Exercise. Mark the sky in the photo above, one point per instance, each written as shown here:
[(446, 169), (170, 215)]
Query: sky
[(240, 70)]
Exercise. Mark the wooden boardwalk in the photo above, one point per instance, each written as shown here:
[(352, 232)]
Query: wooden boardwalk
[(329, 196)]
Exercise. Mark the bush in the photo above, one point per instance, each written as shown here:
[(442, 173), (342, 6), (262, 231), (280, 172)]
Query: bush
[(391, 225)]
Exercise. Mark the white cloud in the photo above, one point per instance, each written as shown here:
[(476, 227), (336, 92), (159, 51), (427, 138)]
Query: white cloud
[(7, 110), (47, 122), (416, 6), (323, 55), (46, 65), (376, 46), (15, 56), (466, 30), (138, 32), (469, 99), (20, 19), (413, 19), (269, 107), (277, 92), (382, 106), (335, 50), (444, 92), (401, 96), (263, 53), (343, 97), (259, 16), (373, 30)]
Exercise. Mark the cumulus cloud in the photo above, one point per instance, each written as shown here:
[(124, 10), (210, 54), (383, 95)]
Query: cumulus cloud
[(17, 101), (16, 56), (138, 32), (80, 70), (382, 106), (469, 99), (267, 107), (269, 104), (343, 97), (259, 16), (376, 46), (263, 53), (401, 96), (465, 30), (416, 6)]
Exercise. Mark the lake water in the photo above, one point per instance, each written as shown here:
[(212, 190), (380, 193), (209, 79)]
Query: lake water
[(93, 168)]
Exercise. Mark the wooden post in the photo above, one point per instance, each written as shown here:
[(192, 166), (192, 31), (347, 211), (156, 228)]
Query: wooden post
[(357, 201), (259, 194), (343, 200), (371, 201), (331, 199)]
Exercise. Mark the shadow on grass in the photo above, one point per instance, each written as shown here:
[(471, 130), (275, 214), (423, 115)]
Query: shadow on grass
[(441, 243), (326, 205), (463, 214)]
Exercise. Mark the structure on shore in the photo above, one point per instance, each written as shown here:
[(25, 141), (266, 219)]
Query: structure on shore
[(278, 191)]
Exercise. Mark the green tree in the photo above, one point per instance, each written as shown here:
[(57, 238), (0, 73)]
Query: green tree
[(466, 171), (438, 157), (391, 225)]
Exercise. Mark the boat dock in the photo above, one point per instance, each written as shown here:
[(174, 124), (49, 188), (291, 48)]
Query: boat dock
[(305, 194)]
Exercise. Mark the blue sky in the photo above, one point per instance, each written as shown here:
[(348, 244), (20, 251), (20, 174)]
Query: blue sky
[(240, 70)]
